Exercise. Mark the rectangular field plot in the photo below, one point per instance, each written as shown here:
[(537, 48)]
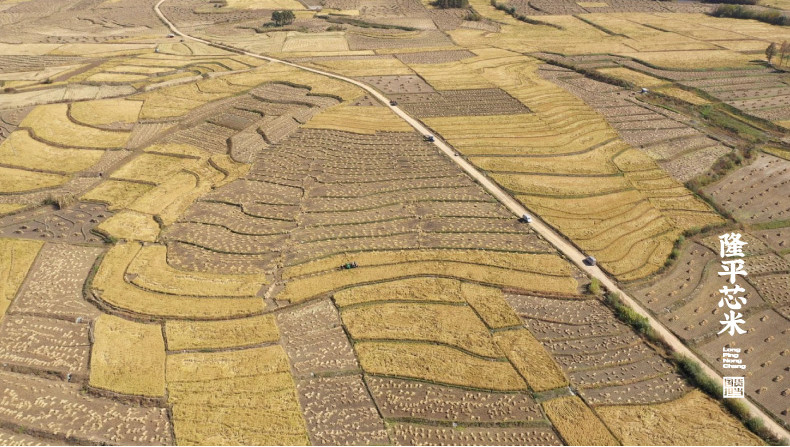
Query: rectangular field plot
[(417, 434), (339, 410), (234, 397), (397, 398), (64, 412)]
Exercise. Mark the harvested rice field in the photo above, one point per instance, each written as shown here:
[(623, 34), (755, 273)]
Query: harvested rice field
[(369, 222)]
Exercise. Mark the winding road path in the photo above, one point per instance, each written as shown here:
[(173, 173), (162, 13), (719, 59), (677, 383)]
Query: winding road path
[(569, 250)]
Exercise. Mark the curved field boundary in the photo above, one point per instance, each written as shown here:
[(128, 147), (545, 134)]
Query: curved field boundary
[(573, 253)]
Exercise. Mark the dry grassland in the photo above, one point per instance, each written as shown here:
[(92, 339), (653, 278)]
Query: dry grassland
[(448, 324), (17, 258), (20, 150), (106, 111), (359, 119), (131, 225), (111, 286), (51, 123), (18, 180), (576, 423), (183, 334), (438, 364), (128, 357), (531, 359), (694, 419)]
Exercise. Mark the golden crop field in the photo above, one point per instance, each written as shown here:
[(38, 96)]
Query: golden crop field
[(20, 150), (264, 4), (106, 111), (153, 273), (363, 119), (489, 303), (239, 397), (152, 168), (183, 334), (204, 241), (302, 289), (531, 360), (364, 67), (694, 418), (576, 423), (131, 225), (19, 180), (117, 193), (442, 323), (18, 257), (436, 363), (413, 289), (51, 123), (112, 287), (128, 357)]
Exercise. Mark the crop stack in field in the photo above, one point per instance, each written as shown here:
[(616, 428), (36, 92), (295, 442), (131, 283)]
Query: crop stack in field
[(690, 312), (668, 137), (411, 197), (337, 405), (426, 348), (757, 193), (603, 357), (566, 164)]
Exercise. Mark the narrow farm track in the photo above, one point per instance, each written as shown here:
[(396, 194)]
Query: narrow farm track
[(553, 237)]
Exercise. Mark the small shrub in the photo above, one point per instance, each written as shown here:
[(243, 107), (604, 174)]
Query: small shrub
[(60, 202), (594, 287), (631, 317)]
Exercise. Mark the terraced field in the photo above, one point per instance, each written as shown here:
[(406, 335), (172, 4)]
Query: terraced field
[(575, 172), (198, 246)]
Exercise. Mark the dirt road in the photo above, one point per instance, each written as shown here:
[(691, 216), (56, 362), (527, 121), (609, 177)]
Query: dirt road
[(565, 247)]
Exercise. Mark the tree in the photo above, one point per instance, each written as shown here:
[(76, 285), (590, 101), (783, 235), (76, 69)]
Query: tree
[(445, 4), (282, 18), (783, 50), (770, 52)]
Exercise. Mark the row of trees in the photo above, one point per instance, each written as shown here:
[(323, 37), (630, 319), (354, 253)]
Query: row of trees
[(782, 51), (445, 4)]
